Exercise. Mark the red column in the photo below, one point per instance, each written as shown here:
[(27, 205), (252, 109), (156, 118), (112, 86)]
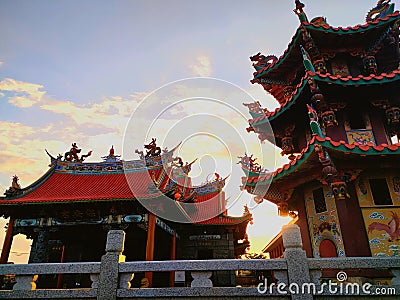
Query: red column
[(173, 257), (59, 278), (151, 230), (5, 253)]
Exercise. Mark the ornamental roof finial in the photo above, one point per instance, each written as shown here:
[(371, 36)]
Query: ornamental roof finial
[(111, 157), (300, 12), (382, 9)]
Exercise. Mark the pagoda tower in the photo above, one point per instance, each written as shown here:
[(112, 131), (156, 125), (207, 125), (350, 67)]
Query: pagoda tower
[(338, 90)]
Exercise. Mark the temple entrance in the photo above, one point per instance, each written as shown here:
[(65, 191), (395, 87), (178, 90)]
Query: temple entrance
[(135, 250), (327, 249)]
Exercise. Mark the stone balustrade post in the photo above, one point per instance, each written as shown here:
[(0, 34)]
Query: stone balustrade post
[(295, 256), (25, 282), (396, 278), (108, 279), (201, 279)]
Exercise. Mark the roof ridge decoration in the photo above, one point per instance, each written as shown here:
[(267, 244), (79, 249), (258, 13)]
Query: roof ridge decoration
[(72, 154), (111, 157), (211, 186), (382, 9), (15, 188), (250, 166), (262, 61), (113, 164), (299, 11)]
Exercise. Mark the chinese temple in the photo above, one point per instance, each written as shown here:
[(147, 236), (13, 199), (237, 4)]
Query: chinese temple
[(69, 210), (338, 123)]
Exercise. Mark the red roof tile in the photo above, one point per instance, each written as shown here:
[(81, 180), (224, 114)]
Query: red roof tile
[(67, 187), (62, 187)]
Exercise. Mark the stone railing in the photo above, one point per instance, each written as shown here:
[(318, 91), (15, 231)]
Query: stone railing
[(298, 277)]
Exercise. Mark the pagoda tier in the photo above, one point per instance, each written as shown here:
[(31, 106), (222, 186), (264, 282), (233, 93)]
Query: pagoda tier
[(307, 166), (329, 49), (341, 97), (335, 190)]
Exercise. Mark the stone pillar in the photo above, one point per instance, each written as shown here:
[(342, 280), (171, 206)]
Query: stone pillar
[(108, 279), (40, 247), (151, 230), (5, 252), (173, 257), (295, 256), (231, 254)]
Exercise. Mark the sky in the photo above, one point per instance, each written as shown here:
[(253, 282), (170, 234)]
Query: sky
[(102, 73)]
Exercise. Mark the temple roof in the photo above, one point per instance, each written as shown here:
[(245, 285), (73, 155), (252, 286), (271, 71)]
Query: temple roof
[(326, 36), (81, 187), (329, 79), (77, 182), (275, 75), (306, 166)]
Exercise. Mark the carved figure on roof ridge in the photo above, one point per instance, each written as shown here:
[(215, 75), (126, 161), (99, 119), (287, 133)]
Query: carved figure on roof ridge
[(15, 188), (299, 11), (72, 154), (152, 149), (382, 8), (262, 61)]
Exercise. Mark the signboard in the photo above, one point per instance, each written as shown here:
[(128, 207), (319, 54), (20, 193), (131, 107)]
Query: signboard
[(165, 227), (205, 237)]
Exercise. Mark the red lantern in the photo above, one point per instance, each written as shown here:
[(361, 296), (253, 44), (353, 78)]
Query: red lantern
[(177, 196)]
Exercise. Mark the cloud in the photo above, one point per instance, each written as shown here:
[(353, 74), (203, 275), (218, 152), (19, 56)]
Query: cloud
[(25, 94), (110, 112), (202, 67), (22, 102)]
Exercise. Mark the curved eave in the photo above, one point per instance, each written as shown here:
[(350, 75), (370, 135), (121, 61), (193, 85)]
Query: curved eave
[(30, 188), (226, 220), (353, 29), (258, 74), (326, 29), (289, 103), (359, 80), (330, 79), (327, 142)]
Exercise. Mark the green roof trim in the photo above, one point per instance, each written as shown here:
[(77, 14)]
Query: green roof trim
[(284, 55), (281, 109), (328, 78), (353, 29), (359, 80), (341, 146), (329, 29)]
